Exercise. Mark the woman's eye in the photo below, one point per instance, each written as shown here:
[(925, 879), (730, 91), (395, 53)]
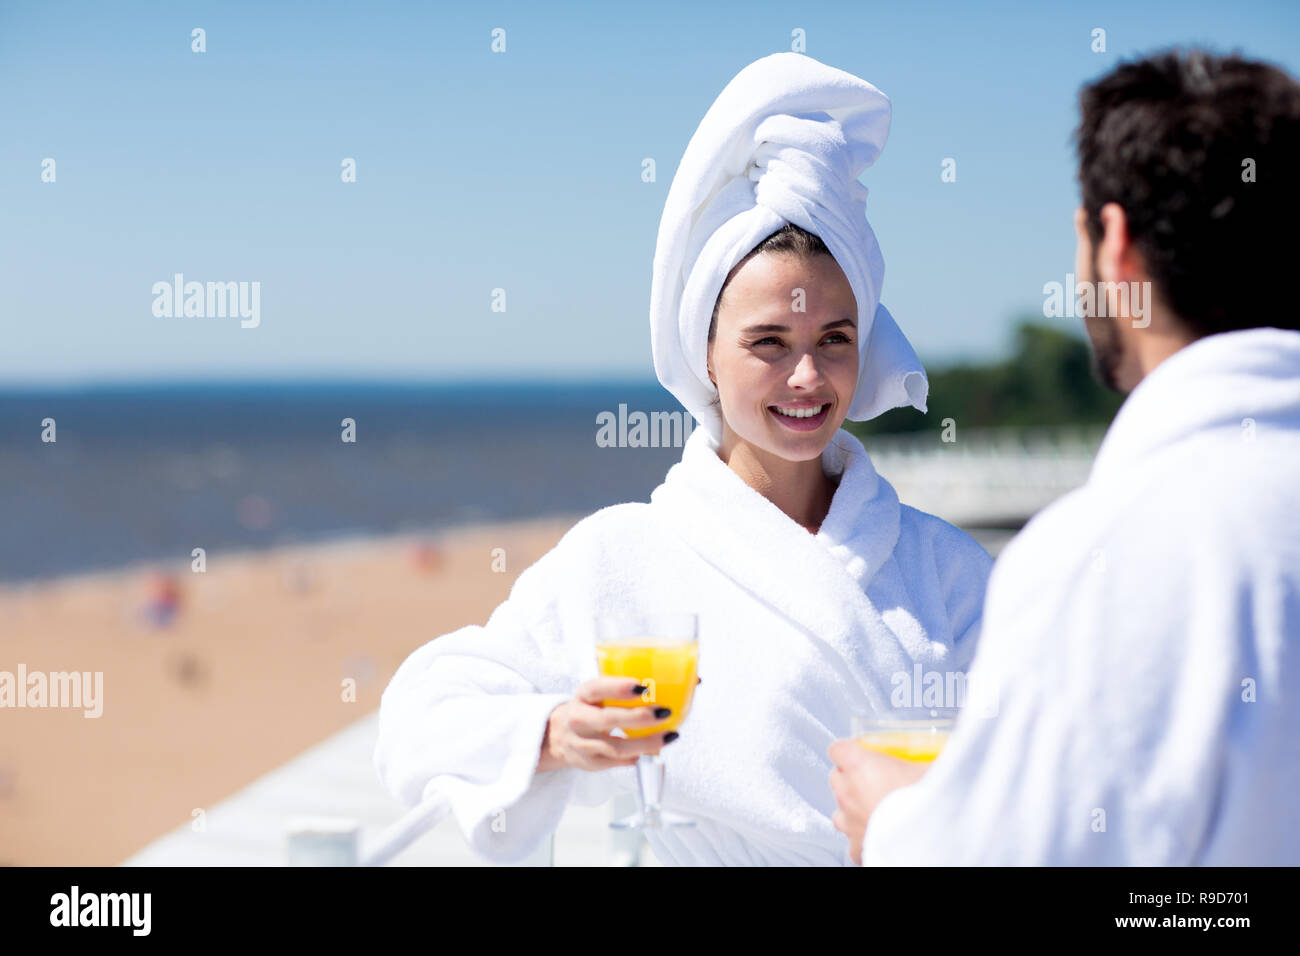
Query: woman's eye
[(834, 338)]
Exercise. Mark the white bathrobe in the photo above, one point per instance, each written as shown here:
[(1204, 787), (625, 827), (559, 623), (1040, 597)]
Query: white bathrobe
[(1143, 635), (797, 632)]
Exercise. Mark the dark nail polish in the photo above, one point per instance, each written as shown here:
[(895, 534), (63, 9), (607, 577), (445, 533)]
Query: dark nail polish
[(699, 680), (662, 712), (671, 736), (640, 689)]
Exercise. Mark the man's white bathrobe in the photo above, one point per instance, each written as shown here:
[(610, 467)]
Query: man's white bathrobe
[(797, 632), (1143, 637)]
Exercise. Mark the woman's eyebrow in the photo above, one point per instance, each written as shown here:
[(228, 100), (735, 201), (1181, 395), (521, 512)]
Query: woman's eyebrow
[(754, 329)]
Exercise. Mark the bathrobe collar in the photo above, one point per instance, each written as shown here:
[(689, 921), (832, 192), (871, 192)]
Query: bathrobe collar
[(819, 582), (859, 531), (1232, 380)]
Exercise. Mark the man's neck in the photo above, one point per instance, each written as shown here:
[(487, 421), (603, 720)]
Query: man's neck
[(1148, 347), (1155, 349)]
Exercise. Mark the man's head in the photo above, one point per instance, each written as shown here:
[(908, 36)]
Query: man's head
[(1188, 181)]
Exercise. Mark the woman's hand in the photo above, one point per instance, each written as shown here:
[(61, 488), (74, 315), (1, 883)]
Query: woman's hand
[(577, 735)]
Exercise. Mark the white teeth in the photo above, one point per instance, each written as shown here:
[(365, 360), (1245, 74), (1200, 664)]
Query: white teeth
[(799, 412)]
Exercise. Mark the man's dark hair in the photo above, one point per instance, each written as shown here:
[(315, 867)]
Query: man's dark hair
[(1168, 138)]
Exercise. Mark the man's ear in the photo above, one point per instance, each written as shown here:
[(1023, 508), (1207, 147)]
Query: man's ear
[(1115, 251)]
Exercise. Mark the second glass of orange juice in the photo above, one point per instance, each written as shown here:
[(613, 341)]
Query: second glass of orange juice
[(916, 734), (661, 651)]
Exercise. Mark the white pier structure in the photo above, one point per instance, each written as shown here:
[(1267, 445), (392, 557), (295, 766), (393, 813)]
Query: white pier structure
[(988, 478)]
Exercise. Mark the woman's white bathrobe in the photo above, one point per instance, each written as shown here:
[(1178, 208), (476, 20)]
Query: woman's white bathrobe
[(797, 632), (1142, 638)]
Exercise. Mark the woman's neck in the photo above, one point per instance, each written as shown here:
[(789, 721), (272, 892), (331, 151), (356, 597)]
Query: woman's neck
[(801, 489)]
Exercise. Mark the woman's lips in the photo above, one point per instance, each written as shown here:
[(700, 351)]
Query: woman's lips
[(801, 424)]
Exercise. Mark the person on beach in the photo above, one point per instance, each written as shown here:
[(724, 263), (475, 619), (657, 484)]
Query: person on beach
[(815, 588), (1143, 633)]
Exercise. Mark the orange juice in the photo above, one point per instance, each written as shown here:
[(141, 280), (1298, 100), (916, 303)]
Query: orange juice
[(917, 745), (666, 668)]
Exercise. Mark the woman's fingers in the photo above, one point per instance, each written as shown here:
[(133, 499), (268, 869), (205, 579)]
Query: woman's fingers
[(593, 721), (600, 689), (588, 723), (632, 718), (604, 752), (634, 747)]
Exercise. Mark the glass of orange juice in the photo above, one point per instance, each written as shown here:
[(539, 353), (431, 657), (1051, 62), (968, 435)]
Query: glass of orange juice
[(914, 733), (661, 650)]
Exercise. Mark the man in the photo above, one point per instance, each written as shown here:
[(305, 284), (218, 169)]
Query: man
[(1141, 636)]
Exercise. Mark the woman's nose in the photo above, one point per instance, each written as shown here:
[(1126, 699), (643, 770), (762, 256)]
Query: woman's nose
[(805, 371)]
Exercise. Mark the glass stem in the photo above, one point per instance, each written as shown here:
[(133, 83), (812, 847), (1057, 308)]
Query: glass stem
[(650, 784)]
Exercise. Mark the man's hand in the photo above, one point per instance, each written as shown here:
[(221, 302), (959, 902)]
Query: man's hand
[(860, 780)]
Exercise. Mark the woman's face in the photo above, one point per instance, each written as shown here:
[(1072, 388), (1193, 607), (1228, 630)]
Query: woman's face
[(786, 339)]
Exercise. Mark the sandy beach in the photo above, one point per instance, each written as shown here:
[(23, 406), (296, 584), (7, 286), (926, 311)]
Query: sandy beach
[(250, 671)]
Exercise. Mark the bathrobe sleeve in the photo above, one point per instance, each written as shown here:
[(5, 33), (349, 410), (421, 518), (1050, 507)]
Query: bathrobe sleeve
[(960, 573), (1117, 673), (465, 715), (963, 567)]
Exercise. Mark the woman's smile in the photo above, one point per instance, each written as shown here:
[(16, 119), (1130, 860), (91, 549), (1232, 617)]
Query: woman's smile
[(801, 416)]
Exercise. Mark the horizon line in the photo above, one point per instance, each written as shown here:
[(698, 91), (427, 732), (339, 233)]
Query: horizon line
[(318, 381)]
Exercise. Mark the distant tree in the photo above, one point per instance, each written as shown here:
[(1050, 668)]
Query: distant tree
[(1047, 381)]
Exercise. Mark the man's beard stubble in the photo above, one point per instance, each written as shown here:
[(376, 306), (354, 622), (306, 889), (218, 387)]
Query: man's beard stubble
[(1107, 351)]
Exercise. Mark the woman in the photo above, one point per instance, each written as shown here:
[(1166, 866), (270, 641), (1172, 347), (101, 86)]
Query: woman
[(817, 591)]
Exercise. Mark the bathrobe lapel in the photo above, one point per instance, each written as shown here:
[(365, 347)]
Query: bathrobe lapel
[(816, 582)]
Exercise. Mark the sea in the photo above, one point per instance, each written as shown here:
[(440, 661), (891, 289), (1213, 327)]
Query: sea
[(144, 473)]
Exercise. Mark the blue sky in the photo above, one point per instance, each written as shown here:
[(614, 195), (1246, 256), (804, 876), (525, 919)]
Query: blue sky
[(518, 170)]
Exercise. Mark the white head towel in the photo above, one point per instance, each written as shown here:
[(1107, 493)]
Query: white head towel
[(784, 142)]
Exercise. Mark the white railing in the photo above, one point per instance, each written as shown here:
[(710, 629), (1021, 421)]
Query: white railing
[(336, 841), (990, 475)]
